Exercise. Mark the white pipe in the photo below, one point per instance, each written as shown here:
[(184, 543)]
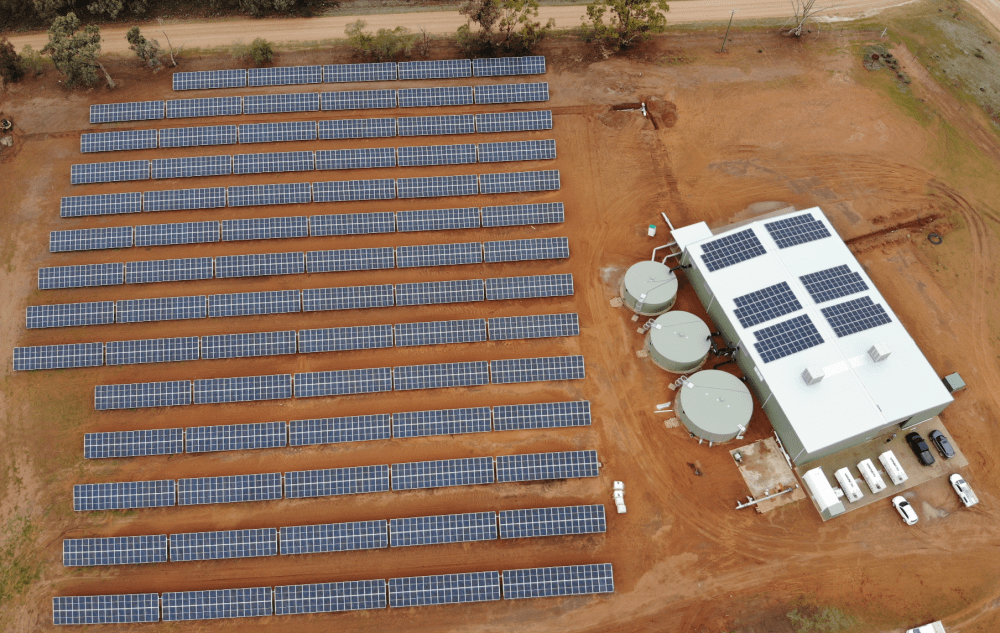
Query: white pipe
[(653, 256), (667, 219)]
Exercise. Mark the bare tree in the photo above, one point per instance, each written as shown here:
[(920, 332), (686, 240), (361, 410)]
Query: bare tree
[(169, 46), (803, 11)]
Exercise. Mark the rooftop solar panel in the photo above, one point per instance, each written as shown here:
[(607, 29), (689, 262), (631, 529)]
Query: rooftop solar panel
[(235, 437), (259, 265), (234, 489), (254, 303), (796, 230), (439, 375), (437, 125), (441, 529), (786, 338), (435, 69), (345, 73), (118, 444), (177, 233), (526, 250), (242, 389), (572, 580), (329, 597), (508, 66), (343, 382), (81, 276), (440, 332), (126, 495), (547, 415), (519, 370), (434, 97), (257, 195), (439, 255), (133, 111), (70, 314), (544, 466), (192, 167), (357, 128), (559, 521), (493, 122), (334, 537), (427, 155), (352, 224), (225, 544), (347, 259), (160, 350), (198, 136), (339, 339), (188, 269), (511, 151), (437, 292), (420, 591), (521, 181), (355, 428), (438, 219), (336, 481), (120, 141), (210, 79), (441, 422), (273, 162), (102, 204), (534, 326), (766, 304), (529, 287), (248, 345), (117, 171), (856, 315), (285, 75), (184, 199), (217, 603), (524, 214), (357, 99), (367, 158), (347, 298), (58, 356), (350, 190), (90, 239), (441, 473), (161, 309), (512, 93), (210, 106), (142, 395), (277, 132), (731, 249), (116, 550), (833, 283), (438, 186), (107, 609)]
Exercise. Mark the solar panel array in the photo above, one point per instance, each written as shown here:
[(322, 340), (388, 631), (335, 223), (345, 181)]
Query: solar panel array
[(796, 230), (235, 437), (508, 66), (440, 332), (81, 276), (350, 190), (357, 99), (254, 303), (766, 304), (58, 356), (276, 103), (524, 214), (357, 428), (198, 136), (273, 162), (436, 186), (184, 199), (529, 287), (492, 122), (345, 73), (437, 69), (731, 249), (177, 233), (277, 132), (168, 270), (339, 339), (448, 528), (437, 125), (441, 422), (285, 75), (833, 283), (102, 204), (134, 111), (440, 375), (210, 79), (856, 315), (512, 93), (71, 314), (559, 521), (422, 156), (546, 415), (125, 495), (352, 224), (438, 292), (439, 255), (544, 466), (217, 603), (257, 195), (357, 128), (534, 326), (347, 298), (116, 171), (115, 550), (264, 228), (110, 609), (336, 481), (548, 368), (133, 443), (250, 345), (786, 338), (329, 597), (348, 259), (343, 382), (437, 219), (232, 489), (161, 309), (124, 140), (511, 151), (225, 544), (334, 537), (433, 97), (192, 166), (163, 350), (526, 250), (572, 580), (420, 591), (440, 473), (210, 106), (519, 182), (242, 389), (368, 158), (142, 395)]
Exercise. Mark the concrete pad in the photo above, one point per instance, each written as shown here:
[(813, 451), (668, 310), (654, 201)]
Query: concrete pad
[(765, 471)]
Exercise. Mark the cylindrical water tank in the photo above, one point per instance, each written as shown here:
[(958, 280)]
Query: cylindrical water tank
[(714, 405), (649, 288), (678, 342)]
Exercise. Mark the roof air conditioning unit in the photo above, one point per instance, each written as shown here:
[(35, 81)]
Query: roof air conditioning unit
[(812, 375), (879, 352)]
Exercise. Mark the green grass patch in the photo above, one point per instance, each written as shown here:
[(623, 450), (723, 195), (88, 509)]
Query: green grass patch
[(19, 564)]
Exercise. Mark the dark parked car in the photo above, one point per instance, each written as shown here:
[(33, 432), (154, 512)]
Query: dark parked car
[(942, 444), (920, 449)]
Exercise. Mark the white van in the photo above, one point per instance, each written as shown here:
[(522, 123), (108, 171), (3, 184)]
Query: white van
[(848, 485), (892, 467), (872, 478)]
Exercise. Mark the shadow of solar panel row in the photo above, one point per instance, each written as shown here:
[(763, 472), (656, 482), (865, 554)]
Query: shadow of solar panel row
[(127, 495), (512, 93), (521, 181), (357, 128), (545, 466), (254, 303), (343, 382), (208, 106), (426, 155), (442, 473), (133, 443), (440, 332), (349, 259), (334, 537), (357, 99), (333, 482), (192, 167), (90, 239), (116, 171), (235, 437), (437, 69), (731, 249), (558, 521), (438, 292), (572, 580), (118, 141), (243, 389), (441, 422), (81, 276), (273, 104), (273, 162), (512, 151), (529, 287), (343, 73), (117, 550), (856, 315), (259, 265), (437, 186), (508, 66), (330, 597), (367, 158), (184, 199), (232, 489), (786, 338), (132, 111), (833, 283), (437, 219), (218, 603), (796, 230), (161, 309), (350, 190), (249, 345), (189, 269), (177, 233), (524, 214), (355, 428), (277, 132), (440, 375), (493, 122), (526, 250), (70, 314), (58, 356), (257, 195), (161, 350), (347, 298), (340, 339), (198, 136), (142, 395), (439, 255), (548, 415), (437, 125), (352, 224), (209, 79), (284, 75), (109, 609), (433, 97), (766, 304), (101, 204), (251, 543), (517, 370), (534, 326), (418, 591), (441, 529)]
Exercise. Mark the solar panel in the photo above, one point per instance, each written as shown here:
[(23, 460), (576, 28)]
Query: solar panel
[(526, 250), (249, 345), (103, 204), (265, 228), (158, 350), (544, 466), (517, 370), (133, 111), (192, 167), (367, 158), (242, 389), (510, 151), (418, 591), (58, 356), (796, 230), (235, 437), (436, 69), (346, 259), (572, 580), (508, 66), (128, 495), (355, 428), (209, 79), (70, 314), (439, 255), (441, 473), (161, 309), (440, 332), (116, 550), (441, 422), (273, 104), (117, 171), (437, 125), (547, 415), (357, 128), (285, 75), (124, 140), (339, 339), (731, 249), (833, 283), (512, 93), (433, 97), (426, 155), (436, 186), (343, 382), (520, 181), (766, 304), (347, 298), (188, 269), (142, 395), (90, 239), (438, 219), (350, 190), (81, 276), (352, 224), (217, 603), (210, 106), (225, 544), (184, 199), (445, 528), (343, 73), (329, 596), (177, 233), (534, 326), (254, 303), (439, 375), (559, 521), (331, 482), (198, 136), (233, 489), (277, 132), (259, 265), (273, 162), (786, 338), (133, 443), (437, 292), (513, 121), (856, 315), (334, 537), (357, 99), (257, 195), (524, 214), (108, 609)]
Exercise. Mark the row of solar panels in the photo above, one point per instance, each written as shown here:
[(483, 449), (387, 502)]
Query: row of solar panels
[(337, 383), (328, 482), (320, 160), (335, 537), (289, 301), (356, 428), (285, 227), (316, 101), (255, 344), (299, 263), (413, 591), (344, 73)]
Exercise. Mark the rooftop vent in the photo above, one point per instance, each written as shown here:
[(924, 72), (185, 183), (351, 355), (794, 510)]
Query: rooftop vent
[(813, 375), (879, 352)]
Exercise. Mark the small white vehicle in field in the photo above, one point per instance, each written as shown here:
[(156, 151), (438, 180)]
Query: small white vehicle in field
[(905, 510), (933, 627), (963, 490)]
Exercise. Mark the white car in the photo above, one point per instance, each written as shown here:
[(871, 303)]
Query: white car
[(963, 490), (905, 510)]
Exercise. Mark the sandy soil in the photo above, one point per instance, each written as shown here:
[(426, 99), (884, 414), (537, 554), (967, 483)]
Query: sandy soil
[(772, 120)]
